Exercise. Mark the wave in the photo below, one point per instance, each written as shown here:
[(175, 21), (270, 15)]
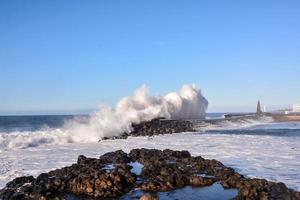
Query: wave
[(47, 136), (19, 140), (250, 126), (270, 157), (187, 103), (232, 124), (279, 126)]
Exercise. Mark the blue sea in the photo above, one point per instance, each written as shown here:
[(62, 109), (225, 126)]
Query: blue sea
[(30, 145)]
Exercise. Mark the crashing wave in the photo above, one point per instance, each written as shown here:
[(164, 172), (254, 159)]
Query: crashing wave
[(231, 124), (187, 103)]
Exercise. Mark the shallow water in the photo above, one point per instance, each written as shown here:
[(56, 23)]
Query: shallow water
[(213, 192)]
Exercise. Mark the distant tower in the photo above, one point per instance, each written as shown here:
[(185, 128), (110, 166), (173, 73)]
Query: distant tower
[(258, 109)]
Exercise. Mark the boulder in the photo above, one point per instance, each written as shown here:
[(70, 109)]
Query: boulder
[(162, 171)]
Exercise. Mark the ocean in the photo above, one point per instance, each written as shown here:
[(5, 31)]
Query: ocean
[(30, 145)]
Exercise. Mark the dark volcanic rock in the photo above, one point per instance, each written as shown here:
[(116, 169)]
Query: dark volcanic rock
[(115, 157), (156, 127), (88, 178), (19, 188), (161, 126), (110, 176)]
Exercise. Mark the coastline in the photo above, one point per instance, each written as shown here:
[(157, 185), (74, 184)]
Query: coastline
[(161, 130), (286, 118), (115, 174)]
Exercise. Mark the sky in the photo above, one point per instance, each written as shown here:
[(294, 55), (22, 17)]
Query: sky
[(70, 56)]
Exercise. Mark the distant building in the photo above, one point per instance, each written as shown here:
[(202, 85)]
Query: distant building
[(296, 108)]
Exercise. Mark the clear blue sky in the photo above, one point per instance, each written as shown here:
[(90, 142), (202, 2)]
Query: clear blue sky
[(71, 55)]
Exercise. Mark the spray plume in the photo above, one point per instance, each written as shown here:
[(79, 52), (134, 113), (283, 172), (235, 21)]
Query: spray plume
[(185, 104), (188, 102)]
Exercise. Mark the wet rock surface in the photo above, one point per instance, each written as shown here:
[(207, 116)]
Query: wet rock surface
[(111, 176), (161, 126), (157, 126)]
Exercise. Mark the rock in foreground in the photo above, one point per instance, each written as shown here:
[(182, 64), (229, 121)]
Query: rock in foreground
[(117, 173)]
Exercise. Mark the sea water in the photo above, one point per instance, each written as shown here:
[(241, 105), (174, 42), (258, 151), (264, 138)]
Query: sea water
[(30, 145)]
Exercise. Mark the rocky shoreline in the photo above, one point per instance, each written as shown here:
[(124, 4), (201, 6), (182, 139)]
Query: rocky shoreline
[(116, 174), (157, 126), (160, 126)]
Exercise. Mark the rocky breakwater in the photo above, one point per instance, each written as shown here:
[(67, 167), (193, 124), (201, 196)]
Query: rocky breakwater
[(157, 126), (116, 173), (161, 126)]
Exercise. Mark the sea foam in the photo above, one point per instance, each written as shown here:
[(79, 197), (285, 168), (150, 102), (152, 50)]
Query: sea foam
[(272, 156), (187, 103)]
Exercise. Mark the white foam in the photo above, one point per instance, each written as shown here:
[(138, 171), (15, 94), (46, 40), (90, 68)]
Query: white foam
[(84, 133), (234, 124), (28, 139), (188, 102), (278, 125), (265, 156)]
